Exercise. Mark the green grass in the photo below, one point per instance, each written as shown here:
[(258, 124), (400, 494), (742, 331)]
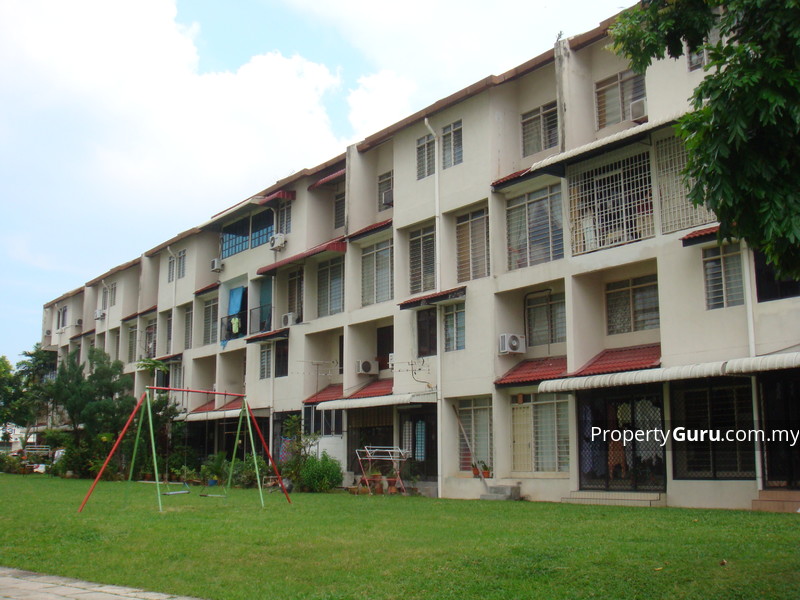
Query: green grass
[(342, 546)]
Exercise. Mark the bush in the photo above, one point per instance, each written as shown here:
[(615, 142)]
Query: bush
[(321, 474), (244, 473)]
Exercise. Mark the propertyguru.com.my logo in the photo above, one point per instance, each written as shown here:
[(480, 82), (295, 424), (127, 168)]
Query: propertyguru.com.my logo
[(687, 434)]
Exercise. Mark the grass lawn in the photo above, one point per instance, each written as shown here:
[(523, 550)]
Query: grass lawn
[(342, 546)]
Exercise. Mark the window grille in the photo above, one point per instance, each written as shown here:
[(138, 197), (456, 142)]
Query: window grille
[(377, 274), (426, 156), (546, 319), (426, 332), (476, 419), (281, 358), (131, 344), (338, 211), (150, 336), (677, 212), (171, 269), (210, 321), (295, 294), (452, 145), (188, 322), (422, 259), (169, 333), (722, 269), (540, 129), (112, 294), (614, 96), (522, 437), (265, 361), (235, 238), (330, 287), (632, 305), (610, 202), (104, 304), (454, 327), (472, 245), (262, 228), (534, 228), (284, 211), (181, 264), (385, 191)]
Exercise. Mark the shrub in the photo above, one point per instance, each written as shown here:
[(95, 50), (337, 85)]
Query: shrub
[(244, 473), (321, 474)]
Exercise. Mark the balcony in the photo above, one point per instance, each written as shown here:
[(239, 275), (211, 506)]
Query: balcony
[(233, 326), (261, 319)]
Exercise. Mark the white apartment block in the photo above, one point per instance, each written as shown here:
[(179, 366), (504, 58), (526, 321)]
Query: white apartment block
[(485, 281)]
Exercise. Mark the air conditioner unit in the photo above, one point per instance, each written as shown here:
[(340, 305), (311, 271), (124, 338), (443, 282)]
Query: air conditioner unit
[(277, 241), (216, 265), (99, 315), (79, 323), (512, 343), (48, 332), (638, 109), (288, 319), (367, 367), (387, 198), (391, 360)]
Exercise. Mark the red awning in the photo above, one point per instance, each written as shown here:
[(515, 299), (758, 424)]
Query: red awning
[(434, 298), (701, 233), (208, 406), (617, 360), (370, 228), (332, 392), (275, 334), (337, 245), (379, 387), (279, 195), (328, 179), (535, 370)]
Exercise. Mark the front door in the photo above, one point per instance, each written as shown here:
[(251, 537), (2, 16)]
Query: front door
[(780, 406)]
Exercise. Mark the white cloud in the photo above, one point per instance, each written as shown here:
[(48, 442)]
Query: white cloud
[(378, 101)]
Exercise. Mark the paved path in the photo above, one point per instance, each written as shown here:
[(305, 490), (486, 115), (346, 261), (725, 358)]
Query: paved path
[(26, 585)]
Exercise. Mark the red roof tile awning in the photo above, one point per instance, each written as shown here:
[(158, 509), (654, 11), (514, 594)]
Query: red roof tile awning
[(700, 236), (434, 298), (328, 179), (205, 407), (379, 387), (533, 371), (337, 245), (279, 195), (332, 392), (374, 228), (617, 360)]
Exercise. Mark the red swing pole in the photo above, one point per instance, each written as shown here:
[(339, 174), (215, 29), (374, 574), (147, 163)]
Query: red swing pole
[(114, 449), (269, 454)]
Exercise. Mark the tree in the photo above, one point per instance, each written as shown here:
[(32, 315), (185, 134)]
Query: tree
[(741, 138)]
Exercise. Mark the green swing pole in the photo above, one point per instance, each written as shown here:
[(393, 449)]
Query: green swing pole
[(246, 409), (135, 447), (233, 457), (155, 458)]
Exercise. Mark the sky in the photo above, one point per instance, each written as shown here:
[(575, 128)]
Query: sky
[(126, 122)]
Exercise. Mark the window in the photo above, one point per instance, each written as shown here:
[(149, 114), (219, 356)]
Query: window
[(330, 287), (476, 437), (722, 270), (262, 228), (322, 422), (188, 322), (61, 317), (281, 358), (150, 337), (132, 343), (181, 264), (610, 202), (452, 145), (171, 269), (112, 294), (377, 273), (540, 129), (265, 362), (540, 433), (210, 321), (384, 345), (546, 319), (632, 305), (677, 212), (454, 335), (104, 302), (169, 333), (716, 406), (295, 294), (768, 285), (534, 228), (426, 332), (426, 156), (422, 259), (472, 245), (235, 237), (385, 191), (338, 211), (615, 95), (284, 213)]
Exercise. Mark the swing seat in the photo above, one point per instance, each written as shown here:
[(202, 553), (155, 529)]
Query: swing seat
[(175, 493), (212, 496)]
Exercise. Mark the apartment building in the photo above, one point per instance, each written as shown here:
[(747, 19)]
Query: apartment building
[(484, 282)]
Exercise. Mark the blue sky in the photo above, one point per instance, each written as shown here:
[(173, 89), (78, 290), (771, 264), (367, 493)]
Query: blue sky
[(125, 122)]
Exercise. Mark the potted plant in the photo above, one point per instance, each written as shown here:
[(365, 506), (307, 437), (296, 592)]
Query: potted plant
[(486, 470), (475, 470), (214, 468)]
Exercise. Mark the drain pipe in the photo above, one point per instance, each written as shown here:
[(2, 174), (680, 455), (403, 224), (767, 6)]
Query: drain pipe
[(751, 350)]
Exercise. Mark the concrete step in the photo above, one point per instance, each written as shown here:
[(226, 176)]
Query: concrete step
[(491, 496), (782, 495), (785, 501), (616, 498), (512, 492)]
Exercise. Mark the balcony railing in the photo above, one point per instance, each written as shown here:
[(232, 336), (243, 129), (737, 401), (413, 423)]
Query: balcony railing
[(261, 318), (233, 326)]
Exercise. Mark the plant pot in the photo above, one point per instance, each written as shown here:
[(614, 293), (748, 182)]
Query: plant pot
[(487, 474), (475, 472)]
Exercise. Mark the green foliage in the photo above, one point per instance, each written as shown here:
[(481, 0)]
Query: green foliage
[(300, 448), (741, 139), (320, 474), (244, 472)]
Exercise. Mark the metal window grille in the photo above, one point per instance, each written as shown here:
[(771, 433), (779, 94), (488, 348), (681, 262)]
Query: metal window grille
[(476, 417), (330, 287), (422, 259), (169, 333), (338, 211), (281, 358), (546, 319), (452, 145), (385, 191), (472, 245), (112, 294), (262, 227), (377, 275), (454, 327), (188, 323), (181, 264), (522, 437), (284, 216), (150, 336), (550, 433), (614, 96), (104, 303), (426, 332), (722, 269), (540, 129), (426, 156), (171, 269), (534, 228), (210, 321), (408, 436), (235, 238), (265, 361), (295, 294), (677, 212), (610, 202), (632, 305), (131, 344)]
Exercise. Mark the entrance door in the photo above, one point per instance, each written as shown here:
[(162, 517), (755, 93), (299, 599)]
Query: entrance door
[(780, 406)]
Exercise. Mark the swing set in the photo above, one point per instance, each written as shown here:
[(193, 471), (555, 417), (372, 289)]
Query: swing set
[(244, 412)]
